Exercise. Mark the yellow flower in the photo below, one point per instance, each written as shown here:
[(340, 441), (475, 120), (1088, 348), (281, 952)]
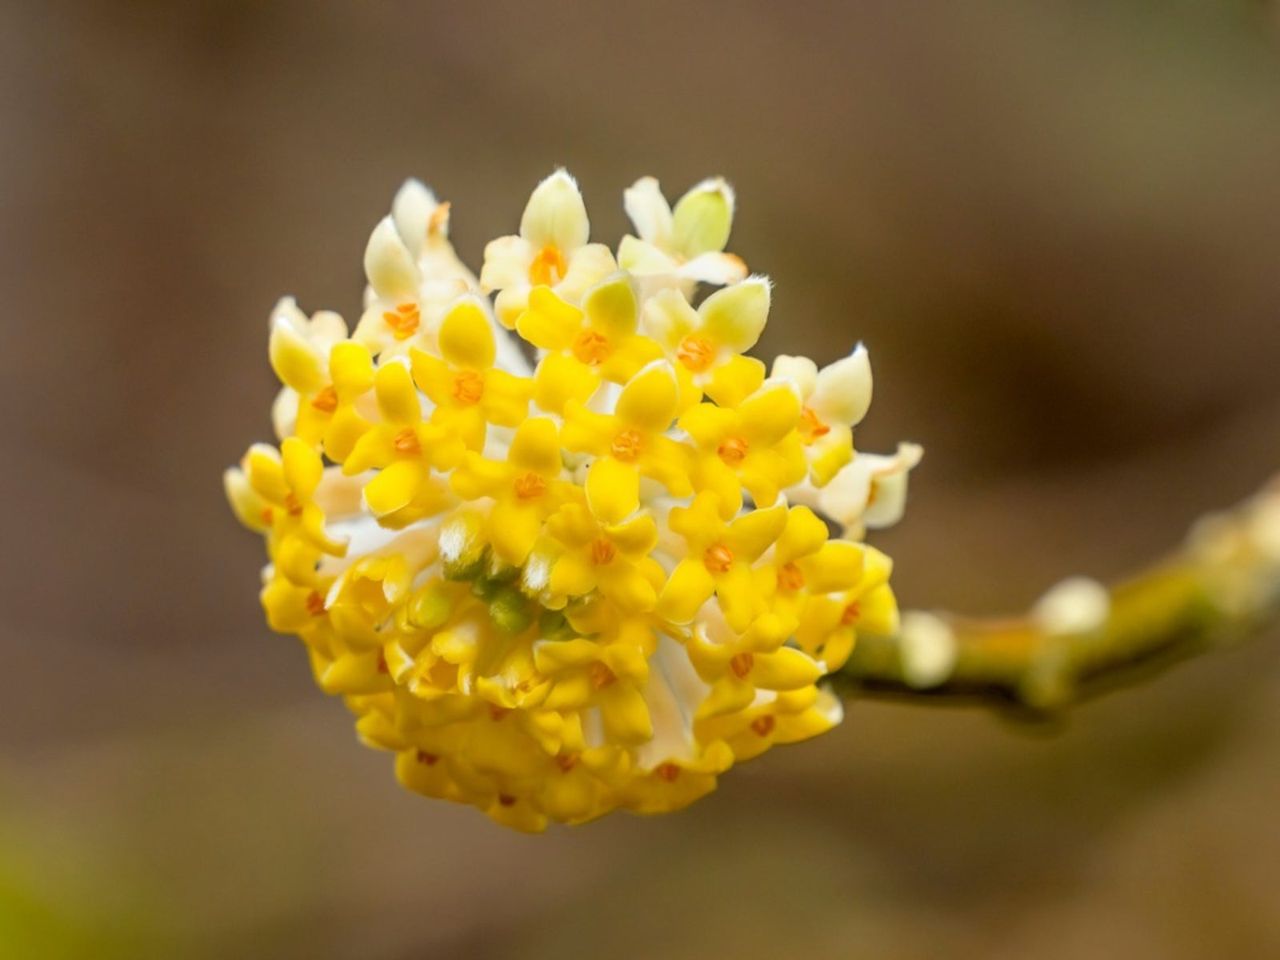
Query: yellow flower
[(403, 448), (598, 602), (612, 557), (706, 344), (601, 336), (551, 250), (752, 446), (631, 442), (685, 244), (413, 275), (718, 560), (835, 399), (468, 391), (607, 674), (829, 623), (525, 488)]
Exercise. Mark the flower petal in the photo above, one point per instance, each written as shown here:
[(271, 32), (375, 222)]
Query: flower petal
[(648, 211), (536, 447), (842, 390), (389, 265), (650, 399), (702, 218), (394, 486), (686, 590), (506, 263), (398, 399), (611, 306), (613, 490), (736, 315), (556, 215), (466, 337)]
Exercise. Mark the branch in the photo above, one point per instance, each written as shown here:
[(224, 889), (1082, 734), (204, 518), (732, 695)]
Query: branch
[(1082, 639)]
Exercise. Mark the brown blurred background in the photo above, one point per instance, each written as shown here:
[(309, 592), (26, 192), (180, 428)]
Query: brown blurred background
[(1057, 227)]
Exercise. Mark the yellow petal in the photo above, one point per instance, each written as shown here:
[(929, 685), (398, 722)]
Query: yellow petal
[(513, 530), (753, 533), (506, 397), (351, 369), (708, 424), (536, 447), (625, 714), (466, 337), (770, 414), (803, 534), (549, 322), (837, 566), (295, 361), (611, 307), (785, 669), (736, 315), (398, 399), (735, 380), (432, 375), (627, 587), (689, 586), (613, 490), (477, 477), (735, 591), (636, 537), (649, 401), (573, 575), (303, 467), (702, 218), (394, 486), (560, 379)]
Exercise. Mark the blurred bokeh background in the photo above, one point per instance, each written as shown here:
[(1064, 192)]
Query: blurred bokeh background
[(1057, 227)]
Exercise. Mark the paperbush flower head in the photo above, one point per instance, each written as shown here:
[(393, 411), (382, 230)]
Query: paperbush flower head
[(593, 581)]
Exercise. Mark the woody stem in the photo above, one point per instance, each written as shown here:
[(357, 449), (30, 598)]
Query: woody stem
[(1223, 583)]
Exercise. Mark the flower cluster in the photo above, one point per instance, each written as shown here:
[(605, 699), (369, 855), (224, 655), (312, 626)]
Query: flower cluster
[(587, 583)]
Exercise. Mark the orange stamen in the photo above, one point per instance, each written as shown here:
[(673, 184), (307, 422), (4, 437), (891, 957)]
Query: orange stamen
[(468, 387), (403, 320), (696, 353), (811, 426), (741, 664), (763, 726), (428, 758), (850, 615), (732, 450), (548, 267), (591, 348), (315, 604), (718, 558), (601, 676), (530, 486), (292, 504), (626, 446), (406, 441), (667, 772), (326, 401), (603, 551), (790, 577)]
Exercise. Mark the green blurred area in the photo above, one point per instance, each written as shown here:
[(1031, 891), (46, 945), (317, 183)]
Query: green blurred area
[(1056, 226)]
